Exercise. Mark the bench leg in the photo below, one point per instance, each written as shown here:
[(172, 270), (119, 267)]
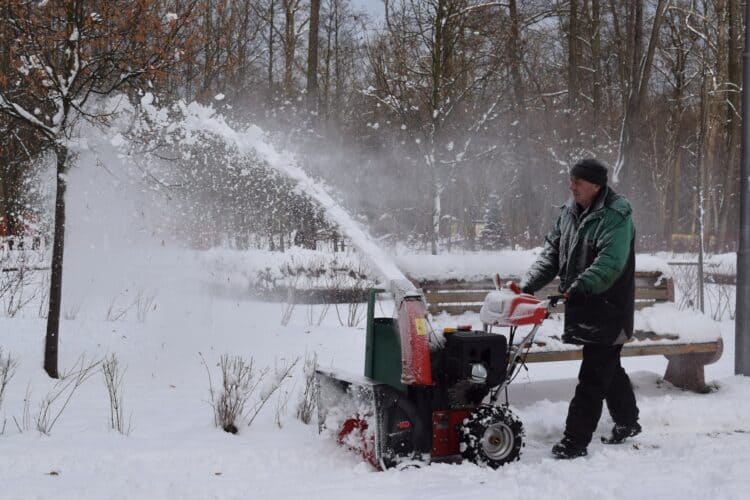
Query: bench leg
[(686, 370)]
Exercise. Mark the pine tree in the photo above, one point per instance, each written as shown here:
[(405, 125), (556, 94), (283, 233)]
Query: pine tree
[(493, 234)]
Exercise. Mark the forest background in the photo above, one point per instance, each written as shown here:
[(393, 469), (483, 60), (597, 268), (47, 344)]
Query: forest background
[(443, 124)]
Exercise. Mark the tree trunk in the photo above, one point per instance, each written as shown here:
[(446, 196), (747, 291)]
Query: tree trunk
[(676, 145), (241, 78), (312, 56), (338, 64), (327, 73), (290, 45), (514, 47), (270, 46), (208, 50), (436, 211), (521, 215), (4, 206), (55, 288), (641, 66), (573, 56), (438, 66), (733, 126), (597, 76)]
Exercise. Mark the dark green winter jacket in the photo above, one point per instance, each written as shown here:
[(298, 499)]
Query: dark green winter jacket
[(593, 254)]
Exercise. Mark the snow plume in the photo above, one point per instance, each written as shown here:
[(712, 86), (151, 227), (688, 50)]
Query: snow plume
[(118, 220), (196, 121), (125, 195)]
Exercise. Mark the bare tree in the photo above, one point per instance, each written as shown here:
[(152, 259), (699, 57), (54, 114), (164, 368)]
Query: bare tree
[(294, 26), (428, 70), (641, 64)]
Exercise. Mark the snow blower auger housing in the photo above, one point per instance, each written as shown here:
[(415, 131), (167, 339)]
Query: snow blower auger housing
[(422, 396)]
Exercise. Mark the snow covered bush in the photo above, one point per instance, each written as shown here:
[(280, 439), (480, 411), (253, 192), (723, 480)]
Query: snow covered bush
[(144, 303), (7, 370), (299, 268), (17, 283), (309, 401), (116, 312), (57, 400), (113, 378), (686, 286), (239, 380), (719, 297), (721, 301), (282, 371)]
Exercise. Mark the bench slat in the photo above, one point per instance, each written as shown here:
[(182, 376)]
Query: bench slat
[(643, 279), (448, 297), (455, 309), (652, 293), (627, 350)]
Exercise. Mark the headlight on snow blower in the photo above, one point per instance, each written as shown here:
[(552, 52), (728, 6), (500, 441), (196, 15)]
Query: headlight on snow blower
[(478, 373)]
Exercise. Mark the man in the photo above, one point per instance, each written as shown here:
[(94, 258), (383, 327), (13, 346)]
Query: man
[(591, 249)]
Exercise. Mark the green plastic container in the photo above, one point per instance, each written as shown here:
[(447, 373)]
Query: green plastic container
[(383, 349)]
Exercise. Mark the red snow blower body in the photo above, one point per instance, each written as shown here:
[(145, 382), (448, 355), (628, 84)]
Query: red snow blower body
[(428, 397)]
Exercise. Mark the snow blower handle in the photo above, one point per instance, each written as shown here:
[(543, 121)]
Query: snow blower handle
[(497, 281), (510, 285), (555, 299)]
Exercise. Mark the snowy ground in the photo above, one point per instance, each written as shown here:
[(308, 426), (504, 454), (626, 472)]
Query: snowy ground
[(128, 292), (693, 446)]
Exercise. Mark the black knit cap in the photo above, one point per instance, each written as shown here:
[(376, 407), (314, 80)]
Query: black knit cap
[(590, 170)]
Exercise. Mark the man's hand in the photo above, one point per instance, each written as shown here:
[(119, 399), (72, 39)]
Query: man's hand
[(574, 294)]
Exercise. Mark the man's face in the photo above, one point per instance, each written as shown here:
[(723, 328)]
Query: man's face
[(583, 191)]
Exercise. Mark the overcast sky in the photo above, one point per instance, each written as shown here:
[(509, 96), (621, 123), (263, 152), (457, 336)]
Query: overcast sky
[(373, 7)]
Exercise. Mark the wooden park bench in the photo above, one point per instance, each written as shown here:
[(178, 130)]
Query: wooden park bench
[(687, 354)]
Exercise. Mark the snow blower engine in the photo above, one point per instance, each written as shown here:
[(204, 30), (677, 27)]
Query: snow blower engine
[(430, 397)]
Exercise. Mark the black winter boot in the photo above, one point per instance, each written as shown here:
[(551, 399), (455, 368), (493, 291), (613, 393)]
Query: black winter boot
[(566, 449), (620, 432)]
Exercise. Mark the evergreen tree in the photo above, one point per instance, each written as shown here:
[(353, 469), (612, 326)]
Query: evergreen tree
[(493, 234)]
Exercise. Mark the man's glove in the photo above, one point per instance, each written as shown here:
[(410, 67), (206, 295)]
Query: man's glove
[(574, 295), (526, 289)]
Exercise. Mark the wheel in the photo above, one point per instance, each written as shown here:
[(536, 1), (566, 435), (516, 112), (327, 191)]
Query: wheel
[(491, 436)]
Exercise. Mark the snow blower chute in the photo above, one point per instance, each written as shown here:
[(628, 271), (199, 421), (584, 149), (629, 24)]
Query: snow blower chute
[(426, 397)]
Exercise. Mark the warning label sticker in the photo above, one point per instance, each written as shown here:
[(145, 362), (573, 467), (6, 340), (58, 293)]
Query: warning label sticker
[(421, 325)]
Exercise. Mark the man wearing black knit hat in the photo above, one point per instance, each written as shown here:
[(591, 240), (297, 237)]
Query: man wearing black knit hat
[(591, 249)]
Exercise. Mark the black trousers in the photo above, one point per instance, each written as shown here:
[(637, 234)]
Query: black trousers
[(601, 378)]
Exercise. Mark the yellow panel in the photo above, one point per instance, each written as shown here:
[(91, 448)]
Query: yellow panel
[(421, 325)]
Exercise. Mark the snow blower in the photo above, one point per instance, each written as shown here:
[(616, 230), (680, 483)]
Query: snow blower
[(427, 397)]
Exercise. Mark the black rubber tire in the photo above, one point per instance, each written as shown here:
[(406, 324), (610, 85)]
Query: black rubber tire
[(491, 436)]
